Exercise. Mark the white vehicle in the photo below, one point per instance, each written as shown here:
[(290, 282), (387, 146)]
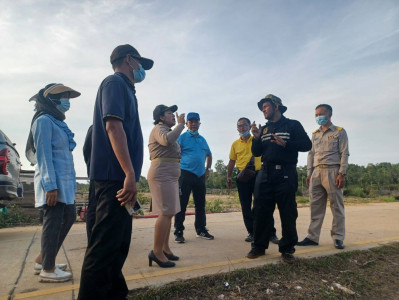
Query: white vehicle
[(10, 168)]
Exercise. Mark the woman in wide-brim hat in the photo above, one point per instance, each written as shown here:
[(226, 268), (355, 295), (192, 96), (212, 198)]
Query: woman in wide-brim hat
[(163, 177), (49, 147)]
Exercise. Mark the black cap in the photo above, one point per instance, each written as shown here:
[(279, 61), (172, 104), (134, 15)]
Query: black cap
[(123, 50), (160, 109)]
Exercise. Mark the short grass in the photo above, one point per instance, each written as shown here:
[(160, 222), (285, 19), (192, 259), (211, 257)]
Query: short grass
[(368, 274)]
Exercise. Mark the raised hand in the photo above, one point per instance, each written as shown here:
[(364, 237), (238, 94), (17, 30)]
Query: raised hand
[(181, 118), (255, 130)]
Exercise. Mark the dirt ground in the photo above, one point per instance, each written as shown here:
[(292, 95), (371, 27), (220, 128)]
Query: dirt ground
[(369, 274)]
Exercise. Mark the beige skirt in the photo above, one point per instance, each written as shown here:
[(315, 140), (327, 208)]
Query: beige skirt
[(163, 180)]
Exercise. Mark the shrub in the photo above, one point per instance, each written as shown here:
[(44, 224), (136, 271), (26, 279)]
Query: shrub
[(355, 191), (302, 199), (15, 216), (143, 199), (214, 206)]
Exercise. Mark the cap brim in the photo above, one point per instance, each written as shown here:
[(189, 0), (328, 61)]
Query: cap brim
[(59, 89), (145, 62), (172, 108)]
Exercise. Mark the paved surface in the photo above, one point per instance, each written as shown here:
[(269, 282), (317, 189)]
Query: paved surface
[(367, 226)]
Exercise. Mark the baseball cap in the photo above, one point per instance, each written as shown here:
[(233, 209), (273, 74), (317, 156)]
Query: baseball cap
[(123, 50), (273, 99), (193, 115), (160, 109)]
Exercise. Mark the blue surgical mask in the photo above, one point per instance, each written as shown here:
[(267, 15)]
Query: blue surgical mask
[(139, 75), (244, 134), (321, 120), (64, 105), (192, 132)]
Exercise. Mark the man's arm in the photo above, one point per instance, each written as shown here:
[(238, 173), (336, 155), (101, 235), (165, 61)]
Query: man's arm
[(344, 152), (208, 165), (118, 140), (310, 161), (256, 147), (299, 140), (230, 168)]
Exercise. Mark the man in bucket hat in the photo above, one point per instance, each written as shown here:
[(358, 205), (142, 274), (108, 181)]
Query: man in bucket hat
[(115, 165), (277, 181)]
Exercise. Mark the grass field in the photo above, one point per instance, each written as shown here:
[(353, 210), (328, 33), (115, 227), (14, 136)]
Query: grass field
[(368, 274), (231, 202)]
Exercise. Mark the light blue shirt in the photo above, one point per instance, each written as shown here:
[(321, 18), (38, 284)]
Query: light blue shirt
[(54, 169), (194, 150)]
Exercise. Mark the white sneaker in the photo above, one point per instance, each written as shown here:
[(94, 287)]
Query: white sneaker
[(39, 267), (56, 276)]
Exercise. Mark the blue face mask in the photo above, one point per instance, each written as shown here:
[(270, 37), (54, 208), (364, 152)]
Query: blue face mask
[(139, 75), (64, 105), (321, 120), (192, 132), (244, 134)]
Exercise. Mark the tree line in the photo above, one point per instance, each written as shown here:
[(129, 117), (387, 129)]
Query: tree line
[(362, 181)]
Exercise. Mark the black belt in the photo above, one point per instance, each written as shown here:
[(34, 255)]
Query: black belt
[(277, 166)]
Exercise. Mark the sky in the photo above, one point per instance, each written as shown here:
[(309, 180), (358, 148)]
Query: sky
[(217, 58)]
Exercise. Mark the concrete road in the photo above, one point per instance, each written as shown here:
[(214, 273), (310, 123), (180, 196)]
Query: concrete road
[(367, 226)]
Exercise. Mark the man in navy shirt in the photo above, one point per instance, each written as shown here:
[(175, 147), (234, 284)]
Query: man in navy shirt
[(115, 166), (194, 151)]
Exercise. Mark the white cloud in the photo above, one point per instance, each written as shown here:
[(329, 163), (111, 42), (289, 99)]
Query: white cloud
[(215, 57)]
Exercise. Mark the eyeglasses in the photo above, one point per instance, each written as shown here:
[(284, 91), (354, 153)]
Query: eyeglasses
[(242, 126)]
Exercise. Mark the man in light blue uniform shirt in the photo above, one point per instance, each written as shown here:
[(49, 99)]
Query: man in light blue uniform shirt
[(195, 152)]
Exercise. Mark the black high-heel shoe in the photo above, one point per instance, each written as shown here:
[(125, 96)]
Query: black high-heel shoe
[(152, 257), (171, 256)]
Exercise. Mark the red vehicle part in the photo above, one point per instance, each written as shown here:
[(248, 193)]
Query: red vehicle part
[(4, 160)]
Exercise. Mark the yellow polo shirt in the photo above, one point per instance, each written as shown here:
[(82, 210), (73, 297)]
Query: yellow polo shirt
[(241, 153)]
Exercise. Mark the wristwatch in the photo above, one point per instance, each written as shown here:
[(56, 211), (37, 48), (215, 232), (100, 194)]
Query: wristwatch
[(207, 169)]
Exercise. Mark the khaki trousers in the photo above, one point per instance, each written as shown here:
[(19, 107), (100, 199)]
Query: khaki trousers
[(322, 187)]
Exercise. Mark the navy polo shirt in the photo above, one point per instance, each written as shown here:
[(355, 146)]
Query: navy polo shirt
[(115, 99)]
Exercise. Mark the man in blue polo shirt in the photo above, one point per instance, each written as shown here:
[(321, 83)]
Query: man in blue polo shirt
[(115, 165), (195, 151)]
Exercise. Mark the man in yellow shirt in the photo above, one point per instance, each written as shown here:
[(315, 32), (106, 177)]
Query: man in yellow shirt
[(240, 155)]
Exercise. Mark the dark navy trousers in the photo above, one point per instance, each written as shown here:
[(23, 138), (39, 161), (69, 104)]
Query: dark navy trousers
[(276, 185), (107, 247)]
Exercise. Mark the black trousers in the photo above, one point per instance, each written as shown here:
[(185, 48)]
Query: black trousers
[(91, 210), (108, 246), (245, 192), (57, 221), (189, 182), (275, 186)]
